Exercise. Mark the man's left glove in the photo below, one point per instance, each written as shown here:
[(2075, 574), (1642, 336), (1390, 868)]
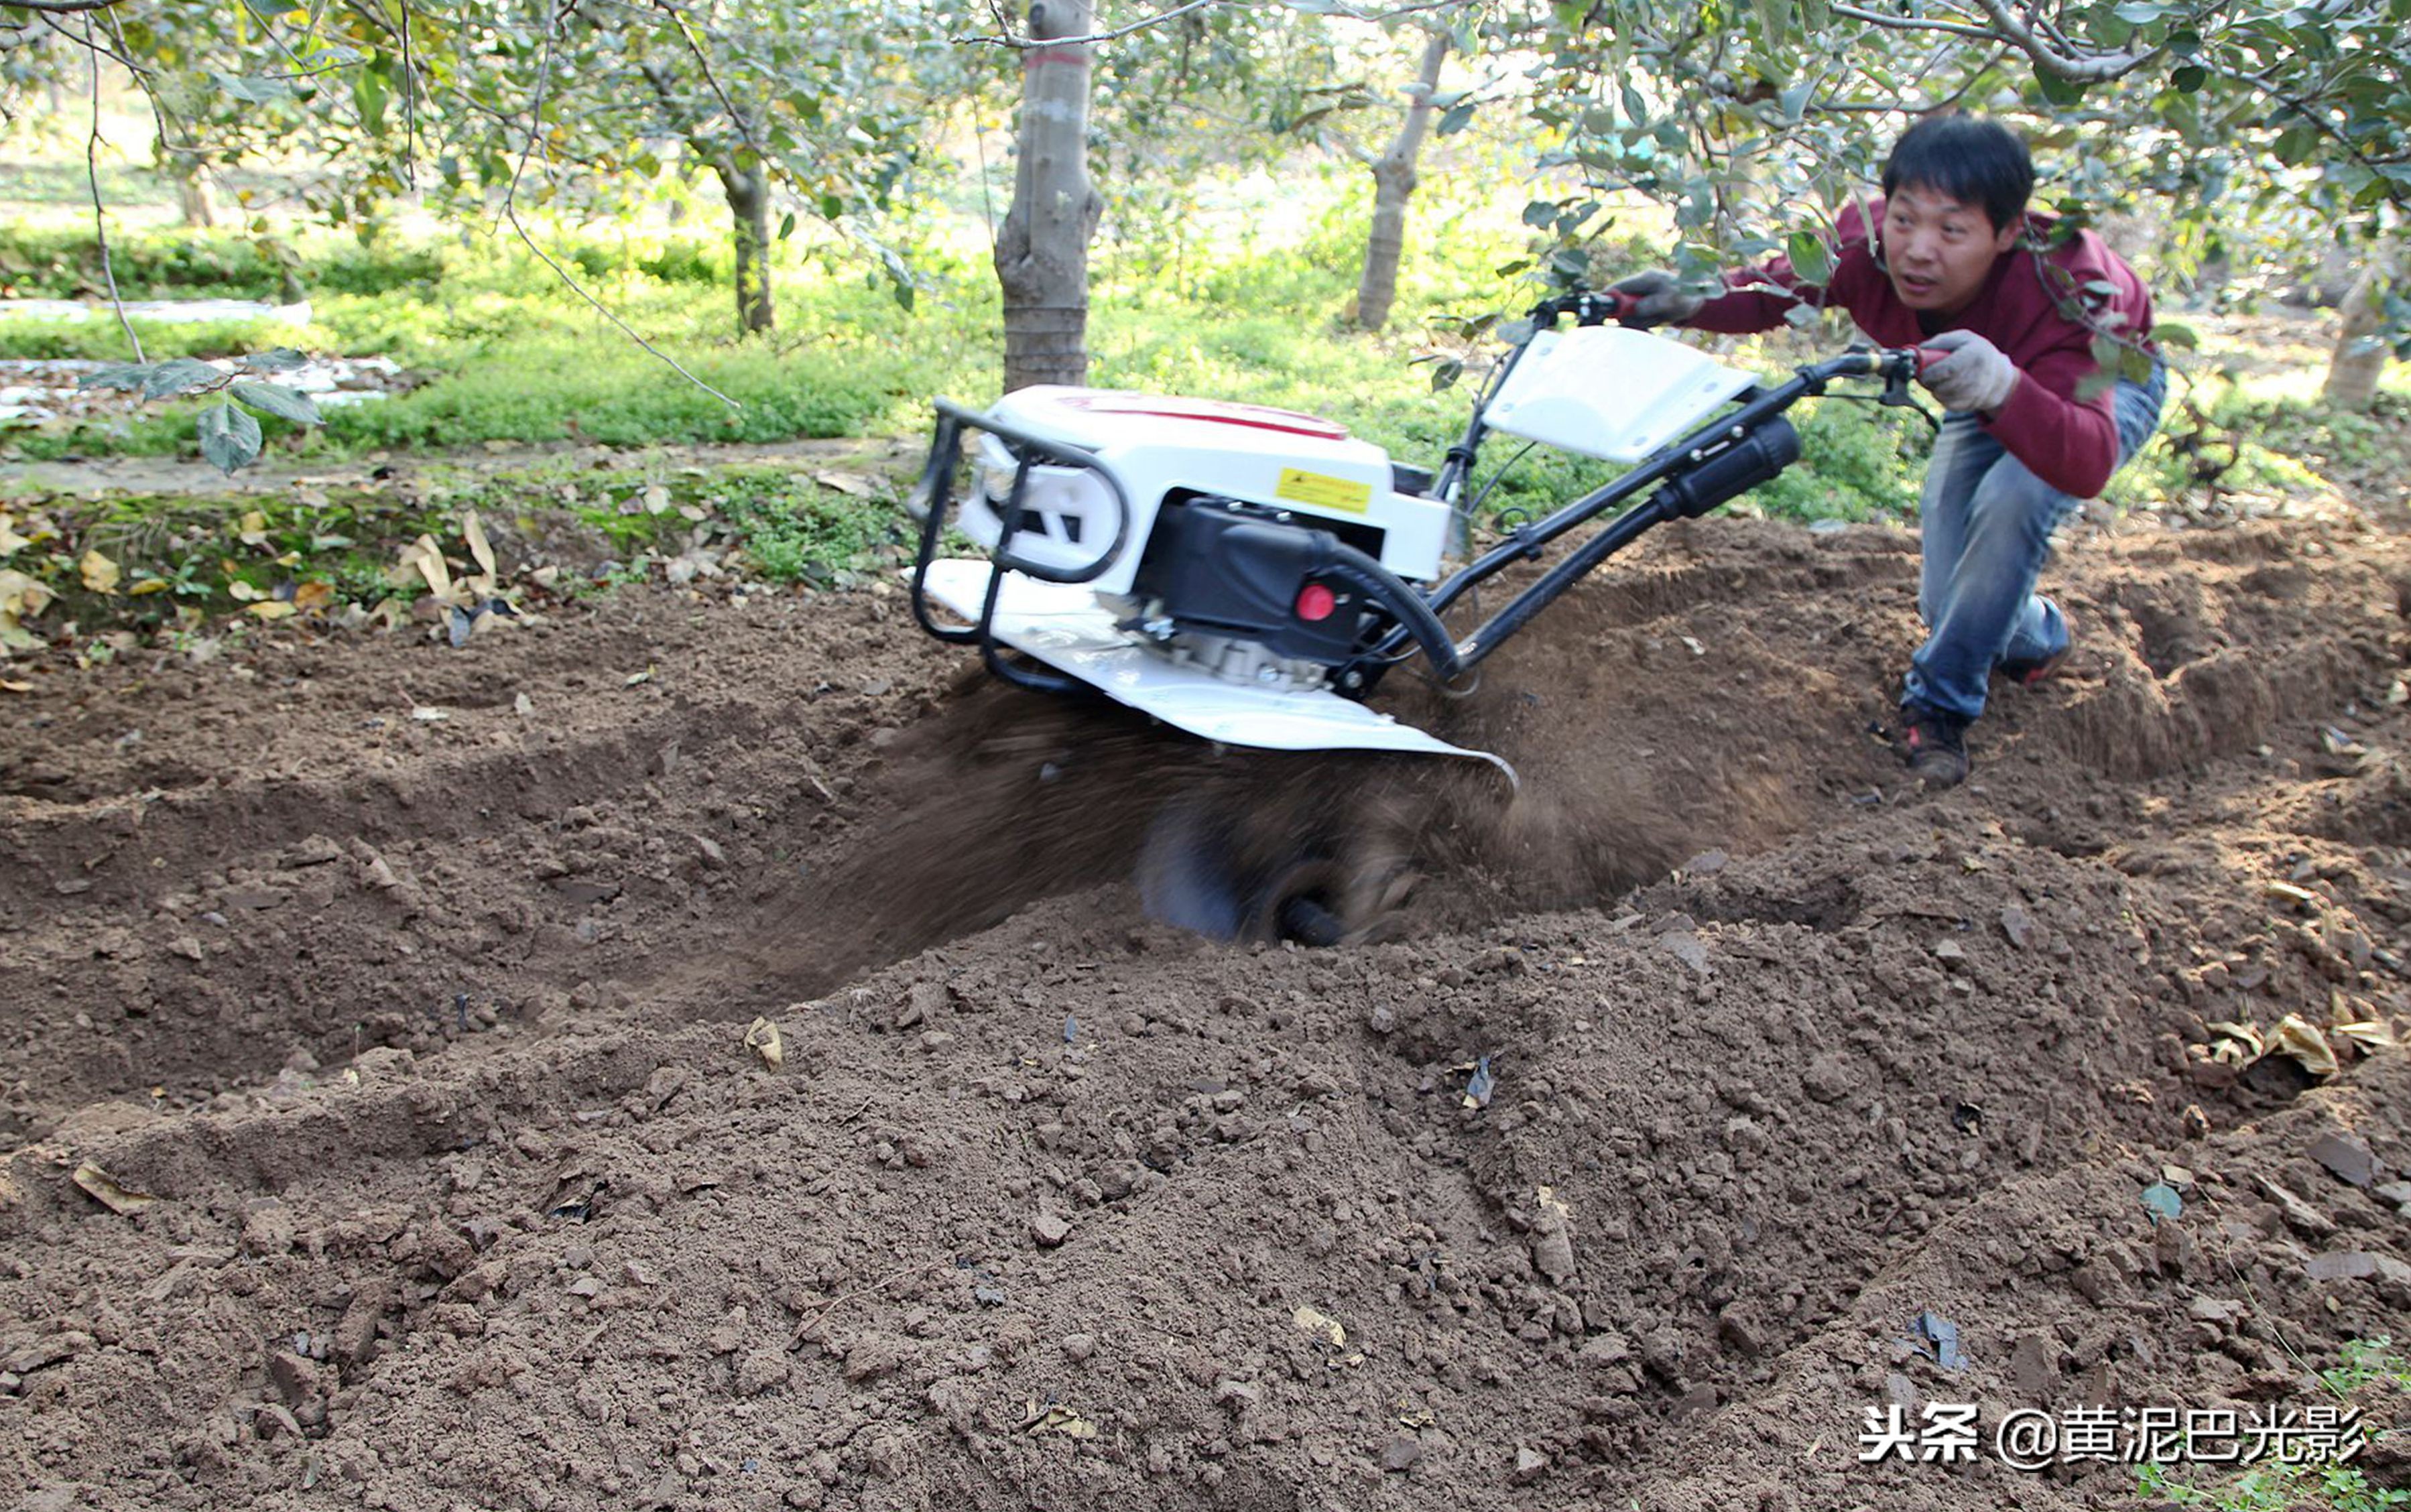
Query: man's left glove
[(1976, 376)]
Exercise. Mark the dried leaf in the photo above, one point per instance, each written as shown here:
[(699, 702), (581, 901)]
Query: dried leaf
[(10, 540), (1323, 1327), (149, 585), (1060, 1419), (253, 530), (105, 1189), (656, 498), (2371, 1035), (100, 574), (271, 609), (2302, 1039), (762, 1038), (474, 530), (9, 686), (851, 484), (314, 596), (2286, 893), (635, 677), (21, 597), (241, 593)]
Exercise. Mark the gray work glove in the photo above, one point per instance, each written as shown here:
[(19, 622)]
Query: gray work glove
[(1654, 298), (1974, 377)]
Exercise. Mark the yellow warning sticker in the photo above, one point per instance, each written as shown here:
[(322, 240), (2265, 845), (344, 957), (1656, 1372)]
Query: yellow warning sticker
[(1323, 491)]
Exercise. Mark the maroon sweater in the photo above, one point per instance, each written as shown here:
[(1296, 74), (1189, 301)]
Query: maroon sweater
[(2070, 442)]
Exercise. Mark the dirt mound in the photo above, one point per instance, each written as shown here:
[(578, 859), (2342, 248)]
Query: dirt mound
[(1618, 1166)]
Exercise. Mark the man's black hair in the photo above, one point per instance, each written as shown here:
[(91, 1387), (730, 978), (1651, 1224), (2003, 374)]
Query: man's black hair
[(1972, 159)]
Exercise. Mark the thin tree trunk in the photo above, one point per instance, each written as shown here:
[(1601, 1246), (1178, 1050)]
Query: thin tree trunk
[(1394, 185), (1042, 250), (749, 210), (193, 195), (2360, 359)]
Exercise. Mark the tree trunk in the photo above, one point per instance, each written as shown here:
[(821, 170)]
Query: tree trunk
[(193, 195), (749, 209), (1042, 250), (2360, 359), (1394, 185)]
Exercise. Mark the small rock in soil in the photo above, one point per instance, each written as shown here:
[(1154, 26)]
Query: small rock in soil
[(1400, 1451), (1049, 1230), (2348, 1158)]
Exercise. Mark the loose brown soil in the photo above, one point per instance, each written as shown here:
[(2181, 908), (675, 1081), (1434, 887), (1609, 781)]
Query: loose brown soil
[(424, 1038)]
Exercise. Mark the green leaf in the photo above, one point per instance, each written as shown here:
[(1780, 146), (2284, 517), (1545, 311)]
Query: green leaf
[(1540, 212), (1446, 371), (1795, 100), (127, 377), (370, 94), (230, 437), (2141, 12), (788, 225), (2058, 91), (1454, 120), (2190, 76), (282, 403), (1810, 256), (275, 359), (252, 91), (179, 375), (2174, 333), (1775, 17), (2093, 385)]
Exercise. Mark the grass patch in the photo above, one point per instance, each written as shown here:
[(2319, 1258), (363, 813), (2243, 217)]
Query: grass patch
[(2278, 1487)]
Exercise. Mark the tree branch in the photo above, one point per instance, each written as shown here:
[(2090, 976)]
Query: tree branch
[(511, 210), (2098, 68), (1011, 39), (58, 7), (1916, 23), (91, 177)]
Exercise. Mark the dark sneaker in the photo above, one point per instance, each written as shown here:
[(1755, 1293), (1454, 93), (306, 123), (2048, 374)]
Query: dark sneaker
[(1934, 744)]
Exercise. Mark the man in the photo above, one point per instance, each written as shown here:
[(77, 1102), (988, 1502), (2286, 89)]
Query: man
[(1955, 262)]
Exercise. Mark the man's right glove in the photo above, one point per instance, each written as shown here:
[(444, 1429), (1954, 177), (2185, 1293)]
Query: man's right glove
[(1654, 298)]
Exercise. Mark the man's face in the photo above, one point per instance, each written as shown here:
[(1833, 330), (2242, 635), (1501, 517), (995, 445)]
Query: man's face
[(1939, 250)]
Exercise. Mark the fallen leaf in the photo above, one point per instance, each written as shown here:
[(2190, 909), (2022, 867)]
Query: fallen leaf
[(253, 530), (8, 687), (270, 609), (688, 512), (314, 595), (2302, 1040), (762, 1038), (149, 585), (2300, 897), (851, 483), (635, 677), (105, 1189), (22, 596), (1060, 1419), (10, 540), (100, 574), (656, 498), (1322, 1326), (240, 591), (2371, 1035), (474, 530)]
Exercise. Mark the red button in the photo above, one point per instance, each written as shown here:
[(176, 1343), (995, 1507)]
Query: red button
[(1314, 602)]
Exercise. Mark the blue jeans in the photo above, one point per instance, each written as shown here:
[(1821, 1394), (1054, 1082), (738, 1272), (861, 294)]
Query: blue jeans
[(1987, 523)]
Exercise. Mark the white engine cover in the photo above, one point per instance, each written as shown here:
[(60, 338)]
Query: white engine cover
[(1154, 445), (1611, 393)]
